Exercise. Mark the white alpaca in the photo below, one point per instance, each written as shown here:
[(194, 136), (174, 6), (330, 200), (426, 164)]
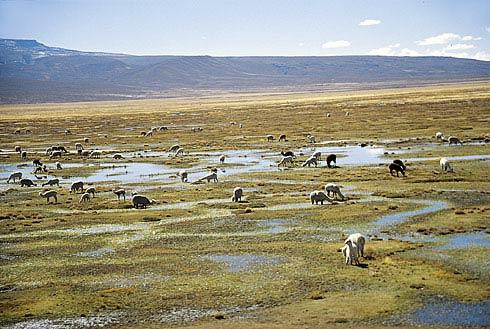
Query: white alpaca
[(180, 151), (359, 240), (445, 165), (350, 252), (311, 139), (310, 161), (439, 135)]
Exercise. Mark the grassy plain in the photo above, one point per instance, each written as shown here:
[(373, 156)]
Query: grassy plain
[(155, 268)]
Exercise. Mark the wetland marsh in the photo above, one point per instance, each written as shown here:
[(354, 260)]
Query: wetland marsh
[(194, 258)]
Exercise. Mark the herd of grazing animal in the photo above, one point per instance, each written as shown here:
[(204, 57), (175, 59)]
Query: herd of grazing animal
[(353, 248)]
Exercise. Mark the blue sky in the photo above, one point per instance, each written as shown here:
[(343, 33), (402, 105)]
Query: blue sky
[(459, 28)]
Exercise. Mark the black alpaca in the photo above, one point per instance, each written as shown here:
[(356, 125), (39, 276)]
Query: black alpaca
[(331, 158), (396, 168)]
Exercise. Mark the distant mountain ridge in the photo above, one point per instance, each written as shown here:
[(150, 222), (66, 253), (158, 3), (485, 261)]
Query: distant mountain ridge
[(33, 72)]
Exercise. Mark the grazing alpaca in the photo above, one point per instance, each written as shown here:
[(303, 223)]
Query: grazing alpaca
[(49, 194), (118, 156), (317, 155), (311, 139), (287, 154), (76, 186), (222, 159), (18, 149), (84, 198), (14, 176), (26, 182), (120, 192), (51, 182), (141, 201), (396, 168), (445, 165), (310, 161), (37, 163), (319, 197), (439, 135), (331, 158), (174, 148), (59, 148), (270, 138), (179, 151), (334, 189), (454, 141), (237, 194), (359, 240), (91, 190), (400, 163), (86, 140), (23, 155), (350, 252), (95, 154), (282, 138), (210, 177), (287, 160), (58, 165), (55, 154)]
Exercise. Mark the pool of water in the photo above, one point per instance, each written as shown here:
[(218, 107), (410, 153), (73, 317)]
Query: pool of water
[(432, 206), (465, 240), (442, 312), (245, 262), (26, 168)]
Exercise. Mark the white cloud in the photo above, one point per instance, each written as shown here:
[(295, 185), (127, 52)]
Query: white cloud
[(445, 38), (482, 55), (409, 52), (369, 22), (336, 44), (383, 51), (439, 39), (392, 51), (470, 38), (459, 46)]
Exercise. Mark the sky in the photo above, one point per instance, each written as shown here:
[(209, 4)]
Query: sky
[(457, 28)]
